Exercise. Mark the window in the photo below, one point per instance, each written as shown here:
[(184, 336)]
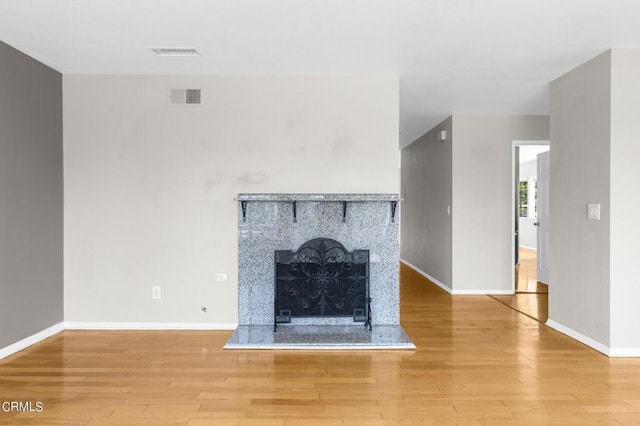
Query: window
[(524, 199), (528, 198)]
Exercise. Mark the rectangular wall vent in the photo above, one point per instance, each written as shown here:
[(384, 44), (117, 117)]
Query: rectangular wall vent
[(175, 51), (185, 96)]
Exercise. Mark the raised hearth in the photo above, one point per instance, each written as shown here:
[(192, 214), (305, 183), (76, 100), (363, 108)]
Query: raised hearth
[(320, 337)]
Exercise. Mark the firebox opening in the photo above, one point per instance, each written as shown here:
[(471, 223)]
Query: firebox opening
[(322, 279)]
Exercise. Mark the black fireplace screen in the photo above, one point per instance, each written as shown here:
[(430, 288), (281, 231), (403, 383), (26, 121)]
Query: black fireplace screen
[(322, 279)]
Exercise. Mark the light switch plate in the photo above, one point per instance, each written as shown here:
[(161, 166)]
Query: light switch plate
[(593, 211), (156, 292)]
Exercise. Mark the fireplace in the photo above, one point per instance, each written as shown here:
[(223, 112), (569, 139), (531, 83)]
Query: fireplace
[(320, 268), (321, 279)]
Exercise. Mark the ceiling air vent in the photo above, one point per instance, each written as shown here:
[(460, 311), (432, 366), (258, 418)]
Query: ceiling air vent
[(185, 96), (175, 51)]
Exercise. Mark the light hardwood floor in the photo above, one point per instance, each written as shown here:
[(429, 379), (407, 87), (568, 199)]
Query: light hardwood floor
[(526, 273), (532, 297), (477, 362)]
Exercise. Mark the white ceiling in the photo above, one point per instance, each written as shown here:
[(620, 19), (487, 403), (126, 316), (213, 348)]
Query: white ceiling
[(452, 56)]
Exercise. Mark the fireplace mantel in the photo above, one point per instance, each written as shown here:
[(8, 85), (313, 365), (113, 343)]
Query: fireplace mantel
[(319, 197)]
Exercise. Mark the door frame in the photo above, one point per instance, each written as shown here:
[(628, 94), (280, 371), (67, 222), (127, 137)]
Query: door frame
[(515, 144)]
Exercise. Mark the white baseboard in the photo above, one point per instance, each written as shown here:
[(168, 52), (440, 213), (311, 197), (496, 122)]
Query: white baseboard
[(456, 292), (28, 341), (427, 276), (579, 337), (609, 351), (624, 352), (70, 325), (84, 325), (528, 248)]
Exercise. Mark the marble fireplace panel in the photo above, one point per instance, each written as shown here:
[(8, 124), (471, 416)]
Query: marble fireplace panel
[(266, 223)]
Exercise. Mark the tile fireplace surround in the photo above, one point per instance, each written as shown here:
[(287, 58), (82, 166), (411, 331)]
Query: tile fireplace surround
[(270, 222)]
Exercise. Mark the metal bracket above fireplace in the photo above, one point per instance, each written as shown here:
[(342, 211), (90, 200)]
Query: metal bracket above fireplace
[(244, 210), (295, 212)]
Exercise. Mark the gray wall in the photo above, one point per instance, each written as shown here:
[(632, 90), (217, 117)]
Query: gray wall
[(580, 174), (31, 282), (426, 193), (482, 206), (625, 204), (595, 133), (149, 188), (470, 251)]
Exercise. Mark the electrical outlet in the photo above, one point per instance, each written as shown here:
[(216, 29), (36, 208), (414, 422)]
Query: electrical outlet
[(156, 292), (221, 277), (593, 211)]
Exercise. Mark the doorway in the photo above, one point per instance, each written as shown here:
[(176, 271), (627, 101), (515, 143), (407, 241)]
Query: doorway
[(530, 180), (529, 204)]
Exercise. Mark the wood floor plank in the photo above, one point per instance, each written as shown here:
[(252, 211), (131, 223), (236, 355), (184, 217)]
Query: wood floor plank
[(477, 362), (237, 422)]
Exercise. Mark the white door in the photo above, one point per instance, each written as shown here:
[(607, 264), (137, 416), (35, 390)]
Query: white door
[(543, 218)]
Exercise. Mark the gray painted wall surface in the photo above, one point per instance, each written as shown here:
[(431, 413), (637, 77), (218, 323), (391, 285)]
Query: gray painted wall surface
[(482, 210), (150, 188), (31, 280), (625, 205), (426, 192), (527, 233), (579, 251)]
